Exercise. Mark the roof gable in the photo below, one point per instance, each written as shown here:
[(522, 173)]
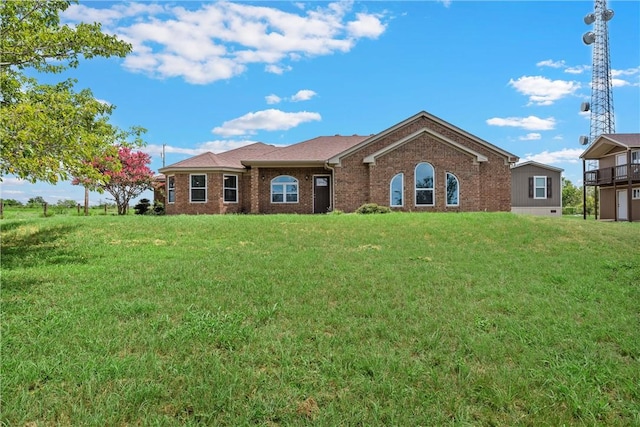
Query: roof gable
[(372, 158), (423, 114), (539, 165), (606, 143)]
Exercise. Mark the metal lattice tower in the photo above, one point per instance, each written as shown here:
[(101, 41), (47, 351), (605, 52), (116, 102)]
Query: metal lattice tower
[(601, 107)]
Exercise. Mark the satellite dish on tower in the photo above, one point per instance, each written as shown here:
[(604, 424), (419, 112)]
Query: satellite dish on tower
[(607, 15), (589, 37), (584, 107), (590, 18), (584, 140)]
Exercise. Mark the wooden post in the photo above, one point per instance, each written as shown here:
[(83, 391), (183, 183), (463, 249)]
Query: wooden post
[(78, 207), (105, 208), (44, 205), (1, 209)]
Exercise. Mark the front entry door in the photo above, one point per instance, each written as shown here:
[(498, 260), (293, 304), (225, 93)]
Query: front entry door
[(622, 205), (321, 193)]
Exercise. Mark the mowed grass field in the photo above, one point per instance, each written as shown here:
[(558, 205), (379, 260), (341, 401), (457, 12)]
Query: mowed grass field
[(395, 320)]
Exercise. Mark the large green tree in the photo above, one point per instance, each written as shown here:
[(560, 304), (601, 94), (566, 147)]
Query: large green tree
[(49, 131)]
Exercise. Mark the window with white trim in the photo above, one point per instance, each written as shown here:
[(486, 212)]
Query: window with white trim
[(198, 188), (396, 190), (171, 189), (539, 187), (635, 193), (284, 189), (424, 184), (453, 190), (230, 188), (635, 157)]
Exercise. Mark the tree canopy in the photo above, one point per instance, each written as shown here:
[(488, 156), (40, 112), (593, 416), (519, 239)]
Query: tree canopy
[(49, 131), (124, 176)]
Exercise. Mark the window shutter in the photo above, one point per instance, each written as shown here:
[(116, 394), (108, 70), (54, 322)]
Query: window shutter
[(548, 187), (531, 187)]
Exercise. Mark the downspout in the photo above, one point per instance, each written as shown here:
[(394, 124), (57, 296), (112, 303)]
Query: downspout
[(333, 185)]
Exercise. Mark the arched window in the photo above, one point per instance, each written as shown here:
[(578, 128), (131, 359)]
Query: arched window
[(424, 185), (284, 189), (396, 190), (453, 190)]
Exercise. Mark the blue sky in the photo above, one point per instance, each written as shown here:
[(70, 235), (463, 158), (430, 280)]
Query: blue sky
[(211, 76)]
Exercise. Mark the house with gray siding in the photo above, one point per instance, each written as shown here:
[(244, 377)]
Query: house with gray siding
[(536, 189)]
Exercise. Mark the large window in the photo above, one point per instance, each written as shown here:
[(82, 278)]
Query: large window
[(424, 185), (171, 189), (453, 190), (284, 189), (635, 157), (230, 188), (540, 187), (396, 190), (198, 188)]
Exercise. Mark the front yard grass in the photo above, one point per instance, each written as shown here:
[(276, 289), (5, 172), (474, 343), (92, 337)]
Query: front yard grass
[(397, 319)]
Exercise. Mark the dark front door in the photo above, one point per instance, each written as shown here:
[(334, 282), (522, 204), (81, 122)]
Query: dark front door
[(321, 194)]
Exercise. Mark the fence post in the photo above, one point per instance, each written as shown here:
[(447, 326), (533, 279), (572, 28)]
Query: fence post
[(105, 208), (78, 207), (45, 204), (1, 209)]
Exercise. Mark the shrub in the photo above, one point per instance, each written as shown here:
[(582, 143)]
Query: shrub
[(158, 208), (142, 207), (372, 208)]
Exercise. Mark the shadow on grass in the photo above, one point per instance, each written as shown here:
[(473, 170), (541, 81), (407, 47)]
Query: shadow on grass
[(39, 247)]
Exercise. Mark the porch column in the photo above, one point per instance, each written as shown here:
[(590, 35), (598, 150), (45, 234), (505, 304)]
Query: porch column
[(584, 190), (255, 194), (629, 189)]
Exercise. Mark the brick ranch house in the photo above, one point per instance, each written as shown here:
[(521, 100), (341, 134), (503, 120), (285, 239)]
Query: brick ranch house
[(420, 164)]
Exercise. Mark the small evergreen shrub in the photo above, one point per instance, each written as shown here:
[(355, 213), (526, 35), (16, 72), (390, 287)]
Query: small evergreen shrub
[(142, 207), (372, 208)]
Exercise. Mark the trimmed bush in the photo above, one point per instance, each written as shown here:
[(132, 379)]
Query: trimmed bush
[(372, 208)]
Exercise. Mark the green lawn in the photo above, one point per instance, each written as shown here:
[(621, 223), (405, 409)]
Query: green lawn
[(398, 319)]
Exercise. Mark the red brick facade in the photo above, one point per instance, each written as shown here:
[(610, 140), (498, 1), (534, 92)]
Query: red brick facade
[(482, 171)]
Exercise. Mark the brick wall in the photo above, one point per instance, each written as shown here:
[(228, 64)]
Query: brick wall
[(214, 204), (305, 190), (483, 186)]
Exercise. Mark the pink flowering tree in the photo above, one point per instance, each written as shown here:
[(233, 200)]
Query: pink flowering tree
[(124, 177)]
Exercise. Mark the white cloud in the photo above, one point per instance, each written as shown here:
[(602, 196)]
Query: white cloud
[(578, 69), (530, 137), (277, 69), (551, 63), (619, 83), (566, 155), (528, 123), (218, 40), (558, 137), (542, 91), (4, 192), (627, 72), (446, 3), (11, 180), (269, 120), (303, 95), (272, 99), (365, 25), (216, 146)]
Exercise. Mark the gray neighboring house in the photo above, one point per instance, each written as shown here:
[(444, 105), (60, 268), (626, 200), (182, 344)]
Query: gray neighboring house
[(536, 189)]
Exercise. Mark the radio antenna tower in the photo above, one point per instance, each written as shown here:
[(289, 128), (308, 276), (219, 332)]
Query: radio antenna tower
[(602, 119)]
